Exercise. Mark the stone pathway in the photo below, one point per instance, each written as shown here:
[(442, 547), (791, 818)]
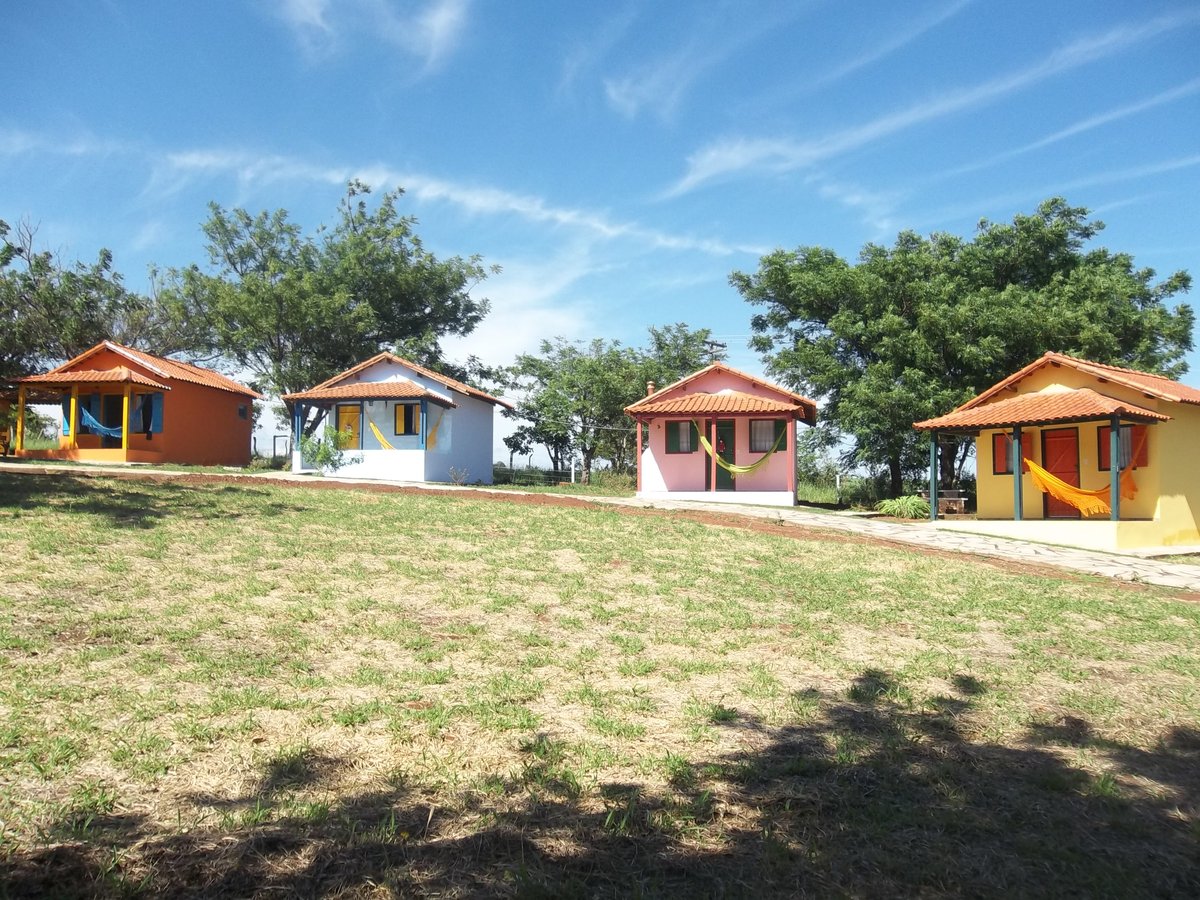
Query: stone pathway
[(1108, 565)]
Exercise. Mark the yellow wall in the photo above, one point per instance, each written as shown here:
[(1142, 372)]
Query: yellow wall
[(1168, 495)]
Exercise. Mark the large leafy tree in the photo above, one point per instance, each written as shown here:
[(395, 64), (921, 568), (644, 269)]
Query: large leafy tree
[(573, 397), (296, 309), (912, 330), (51, 310)]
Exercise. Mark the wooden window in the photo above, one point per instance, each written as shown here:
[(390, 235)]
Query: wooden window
[(765, 432), (1001, 456), (1133, 437), (408, 419), (682, 437)]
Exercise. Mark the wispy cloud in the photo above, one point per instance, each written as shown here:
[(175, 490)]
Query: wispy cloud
[(901, 39), (660, 84), (429, 32), (1099, 179), (585, 57), (876, 208), (252, 169), (1083, 125), (728, 157)]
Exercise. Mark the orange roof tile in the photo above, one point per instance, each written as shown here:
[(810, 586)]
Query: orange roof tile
[(118, 375), (788, 402), (1152, 385), (1041, 408), (724, 402), (428, 373), (164, 368), (370, 390)]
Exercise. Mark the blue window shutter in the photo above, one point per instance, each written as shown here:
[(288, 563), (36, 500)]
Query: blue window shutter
[(156, 413), (66, 408)]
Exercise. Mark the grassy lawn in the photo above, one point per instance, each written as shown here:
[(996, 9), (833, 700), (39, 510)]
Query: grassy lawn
[(228, 690)]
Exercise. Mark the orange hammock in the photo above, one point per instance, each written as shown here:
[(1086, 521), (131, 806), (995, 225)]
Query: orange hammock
[(1090, 503)]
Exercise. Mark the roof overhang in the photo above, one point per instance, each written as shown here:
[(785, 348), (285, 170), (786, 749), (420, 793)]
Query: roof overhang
[(1041, 408), (370, 390), (119, 375)]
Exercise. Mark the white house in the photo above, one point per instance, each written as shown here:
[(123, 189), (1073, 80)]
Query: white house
[(399, 421)]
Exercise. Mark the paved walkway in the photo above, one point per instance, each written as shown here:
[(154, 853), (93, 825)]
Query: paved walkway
[(1109, 565)]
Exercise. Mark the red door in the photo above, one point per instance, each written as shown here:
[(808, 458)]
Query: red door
[(1060, 455)]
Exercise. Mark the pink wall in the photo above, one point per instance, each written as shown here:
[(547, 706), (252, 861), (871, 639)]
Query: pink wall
[(663, 471)]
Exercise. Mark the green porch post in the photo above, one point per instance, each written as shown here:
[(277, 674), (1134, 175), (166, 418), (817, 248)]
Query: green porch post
[(1114, 468), (933, 476), (1015, 456)]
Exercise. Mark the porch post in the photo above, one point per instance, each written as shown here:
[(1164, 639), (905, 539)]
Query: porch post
[(639, 455), (74, 417), (1018, 477), (19, 443), (933, 476), (125, 416), (791, 439), (1114, 468), (712, 463)]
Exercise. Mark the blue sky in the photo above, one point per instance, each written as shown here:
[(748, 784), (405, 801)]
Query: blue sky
[(618, 159)]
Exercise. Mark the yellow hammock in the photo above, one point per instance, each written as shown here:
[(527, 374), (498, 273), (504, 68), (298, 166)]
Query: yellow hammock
[(729, 467), (379, 436), (1089, 503)]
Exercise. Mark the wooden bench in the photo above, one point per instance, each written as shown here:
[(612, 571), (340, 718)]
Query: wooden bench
[(949, 502)]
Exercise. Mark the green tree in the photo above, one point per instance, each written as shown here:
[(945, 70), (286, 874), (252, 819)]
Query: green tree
[(573, 397), (913, 330), (51, 310), (296, 309)]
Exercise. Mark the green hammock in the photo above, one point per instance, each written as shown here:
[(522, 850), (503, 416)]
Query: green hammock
[(731, 468)]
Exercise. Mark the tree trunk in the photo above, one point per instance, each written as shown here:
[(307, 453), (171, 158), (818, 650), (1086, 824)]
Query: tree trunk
[(897, 476), (586, 474)]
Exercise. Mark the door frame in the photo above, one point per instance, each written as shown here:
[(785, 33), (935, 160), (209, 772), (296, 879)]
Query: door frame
[(1074, 431), (337, 423)]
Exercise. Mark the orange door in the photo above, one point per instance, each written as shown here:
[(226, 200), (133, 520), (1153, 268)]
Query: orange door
[(1060, 455), (347, 426)]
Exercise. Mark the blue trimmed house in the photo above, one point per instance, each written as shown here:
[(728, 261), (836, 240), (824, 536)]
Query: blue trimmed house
[(399, 421)]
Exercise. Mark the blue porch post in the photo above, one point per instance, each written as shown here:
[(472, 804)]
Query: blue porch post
[(424, 421), (1015, 457), (1114, 468), (933, 476)]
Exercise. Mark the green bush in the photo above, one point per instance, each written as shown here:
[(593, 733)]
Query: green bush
[(910, 507)]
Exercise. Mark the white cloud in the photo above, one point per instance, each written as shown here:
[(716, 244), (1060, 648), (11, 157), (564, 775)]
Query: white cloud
[(732, 156), (1083, 125), (900, 40), (428, 31)]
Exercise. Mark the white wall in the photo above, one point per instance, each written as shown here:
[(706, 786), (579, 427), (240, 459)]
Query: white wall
[(464, 442)]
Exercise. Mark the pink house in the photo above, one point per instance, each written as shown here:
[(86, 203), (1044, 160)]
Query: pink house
[(750, 423)]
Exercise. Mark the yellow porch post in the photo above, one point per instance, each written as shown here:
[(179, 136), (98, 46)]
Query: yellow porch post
[(125, 417), (19, 444), (74, 443)]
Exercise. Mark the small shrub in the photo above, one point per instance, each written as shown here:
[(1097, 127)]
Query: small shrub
[(326, 453), (910, 507)]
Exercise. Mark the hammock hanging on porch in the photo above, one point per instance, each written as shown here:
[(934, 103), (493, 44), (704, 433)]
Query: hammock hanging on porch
[(383, 442), (731, 468), (90, 421), (1089, 503)]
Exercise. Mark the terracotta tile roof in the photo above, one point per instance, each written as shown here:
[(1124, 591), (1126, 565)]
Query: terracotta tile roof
[(788, 401), (119, 375), (164, 368), (371, 390), (1041, 408), (1152, 385), (445, 380), (726, 402)]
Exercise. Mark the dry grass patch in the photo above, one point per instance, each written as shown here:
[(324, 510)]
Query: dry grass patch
[(245, 690)]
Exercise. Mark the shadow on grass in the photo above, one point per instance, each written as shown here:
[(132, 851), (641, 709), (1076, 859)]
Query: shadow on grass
[(869, 797), (128, 503)]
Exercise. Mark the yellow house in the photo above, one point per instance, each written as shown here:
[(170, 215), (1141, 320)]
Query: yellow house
[(1071, 418)]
